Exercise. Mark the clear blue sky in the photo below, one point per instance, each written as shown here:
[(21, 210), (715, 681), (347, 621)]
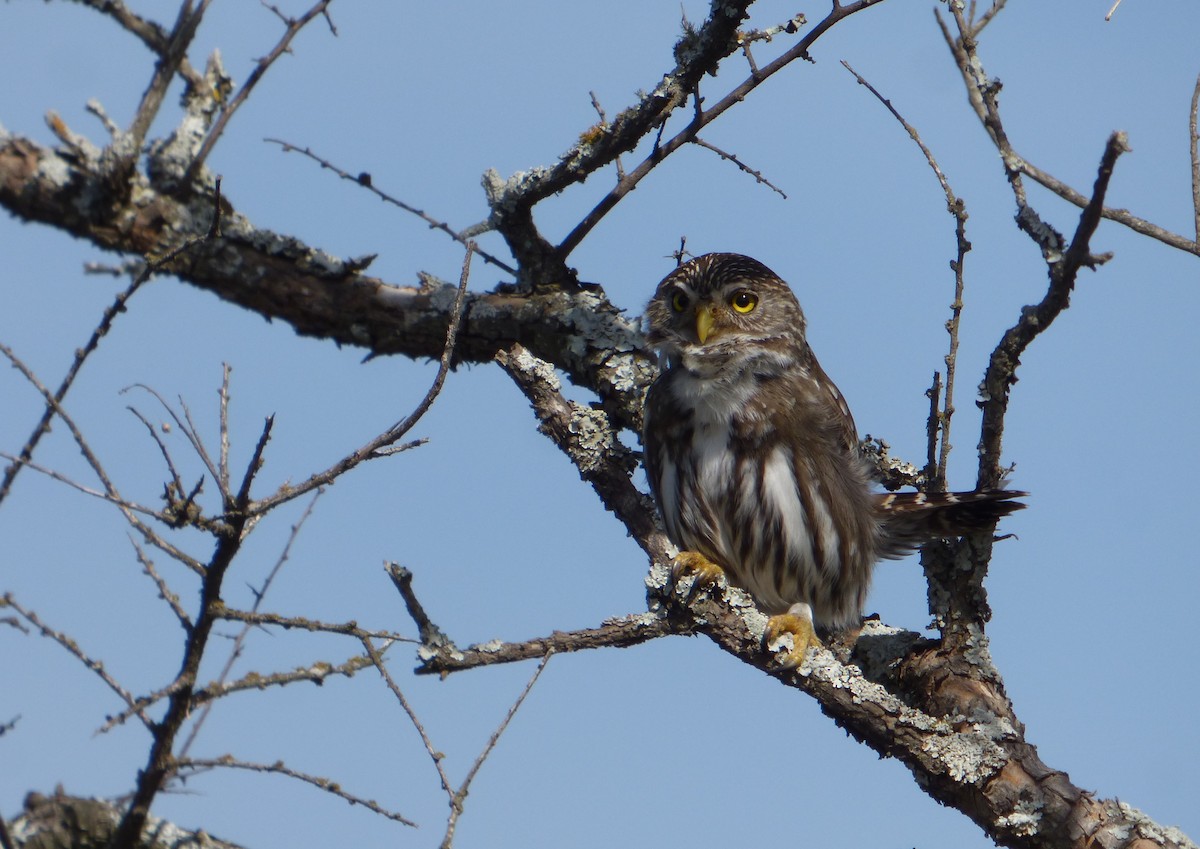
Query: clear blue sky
[(672, 743)]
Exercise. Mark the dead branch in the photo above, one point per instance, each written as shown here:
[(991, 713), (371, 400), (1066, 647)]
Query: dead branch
[(631, 630), (280, 768), (292, 29)]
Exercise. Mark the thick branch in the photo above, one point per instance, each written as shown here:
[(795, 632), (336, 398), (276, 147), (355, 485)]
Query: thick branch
[(580, 332), (957, 735)]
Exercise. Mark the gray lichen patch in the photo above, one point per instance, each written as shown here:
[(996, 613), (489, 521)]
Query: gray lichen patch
[(594, 438), (968, 758)]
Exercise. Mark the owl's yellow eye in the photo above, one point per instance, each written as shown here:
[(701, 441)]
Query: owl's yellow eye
[(744, 301), (679, 301)]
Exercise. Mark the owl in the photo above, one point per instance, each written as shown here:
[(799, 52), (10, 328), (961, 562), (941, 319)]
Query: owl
[(755, 463)]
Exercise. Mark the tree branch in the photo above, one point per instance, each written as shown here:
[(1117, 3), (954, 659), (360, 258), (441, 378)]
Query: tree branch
[(958, 735)]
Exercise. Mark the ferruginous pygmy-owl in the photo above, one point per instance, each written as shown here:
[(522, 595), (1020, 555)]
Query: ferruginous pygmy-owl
[(755, 463)]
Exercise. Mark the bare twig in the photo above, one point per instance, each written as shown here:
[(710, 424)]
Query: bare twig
[(1193, 140), (164, 591), (300, 623), (314, 673), (171, 57), (160, 763), (977, 24), (603, 127), (73, 648), (664, 149), (128, 509), (460, 796), (223, 451), (294, 25), (150, 33), (183, 421), (959, 210), (743, 167), (54, 402), (378, 446), (111, 498), (176, 481), (434, 755), (981, 94), (279, 768), (364, 179), (81, 355), (933, 426), (936, 473), (626, 631), (1034, 320)]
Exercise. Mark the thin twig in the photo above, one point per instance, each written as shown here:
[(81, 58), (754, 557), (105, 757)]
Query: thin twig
[(128, 509), (729, 157), (81, 355), (933, 426), (1034, 320), (958, 209), (176, 480), (164, 591), (710, 113), (183, 421), (294, 25), (604, 125), (1193, 141), (317, 672), (364, 179), (981, 94), (150, 33), (378, 446), (73, 648), (160, 763), (460, 795), (300, 623), (279, 768), (78, 487), (977, 25), (936, 474), (223, 450), (434, 755)]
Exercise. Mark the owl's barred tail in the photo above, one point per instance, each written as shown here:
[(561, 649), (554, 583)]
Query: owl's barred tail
[(912, 518)]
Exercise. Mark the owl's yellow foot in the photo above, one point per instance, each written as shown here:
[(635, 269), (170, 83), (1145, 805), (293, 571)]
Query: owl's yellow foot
[(797, 623), (704, 573)]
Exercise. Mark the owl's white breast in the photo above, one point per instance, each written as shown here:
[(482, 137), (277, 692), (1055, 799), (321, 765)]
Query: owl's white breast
[(713, 401)]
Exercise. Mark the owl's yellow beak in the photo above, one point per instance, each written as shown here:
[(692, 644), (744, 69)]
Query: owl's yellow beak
[(704, 321)]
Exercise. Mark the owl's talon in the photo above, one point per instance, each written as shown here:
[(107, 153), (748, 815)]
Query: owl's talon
[(798, 623), (704, 573)]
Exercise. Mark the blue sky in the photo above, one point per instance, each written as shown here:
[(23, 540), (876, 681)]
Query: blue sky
[(672, 742)]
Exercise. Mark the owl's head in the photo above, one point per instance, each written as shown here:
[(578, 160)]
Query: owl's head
[(722, 301)]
